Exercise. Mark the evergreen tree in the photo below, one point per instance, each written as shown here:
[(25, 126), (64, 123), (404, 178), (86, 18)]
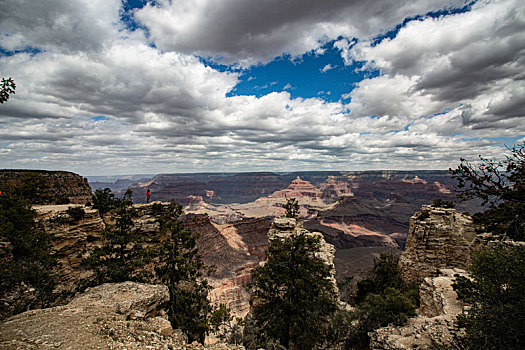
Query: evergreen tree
[(382, 299), (495, 293), (8, 87), (103, 201), (293, 297), (29, 259), (122, 256), (292, 208), (501, 186), (181, 268)]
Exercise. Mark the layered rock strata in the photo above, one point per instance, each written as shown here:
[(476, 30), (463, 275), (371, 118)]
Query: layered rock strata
[(438, 238), (59, 186)]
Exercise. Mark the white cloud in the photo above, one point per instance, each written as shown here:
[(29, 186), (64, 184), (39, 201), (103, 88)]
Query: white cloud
[(474, 59), (66, 25), (169, 112), (327, 67), (248, 32)]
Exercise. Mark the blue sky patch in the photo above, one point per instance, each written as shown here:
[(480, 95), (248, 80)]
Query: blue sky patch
[(127, 14), (29, 49), (99, 118), (311, 75)]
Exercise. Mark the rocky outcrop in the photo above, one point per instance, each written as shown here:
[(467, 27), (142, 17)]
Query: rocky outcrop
[(298, 189), (58, 186), (70, 238), (284, 227), (435, 322), (233, 249), (438, 248), (438, 238), (110, 316)]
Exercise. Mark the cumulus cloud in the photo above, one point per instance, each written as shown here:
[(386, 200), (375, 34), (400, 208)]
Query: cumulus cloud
[(475, 60), (327, 67), (71, 25), (248, 32), (166, 111)]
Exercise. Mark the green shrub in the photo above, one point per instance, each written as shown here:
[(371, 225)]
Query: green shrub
[(496, 296), (382, 299), (30, 262), (293, 297), (76, 213)]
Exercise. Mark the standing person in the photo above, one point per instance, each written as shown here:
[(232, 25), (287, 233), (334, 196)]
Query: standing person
[(148, 196)]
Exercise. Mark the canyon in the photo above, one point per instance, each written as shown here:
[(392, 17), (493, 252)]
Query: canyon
[(352, 209), (358, 219), (360, 213)]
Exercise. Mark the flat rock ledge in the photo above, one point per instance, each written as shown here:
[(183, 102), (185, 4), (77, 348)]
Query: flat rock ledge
[(124, 315)]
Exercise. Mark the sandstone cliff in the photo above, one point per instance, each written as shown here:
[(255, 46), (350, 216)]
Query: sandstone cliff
[(438, 247), (438, 238), (59, 186), (110, 316)]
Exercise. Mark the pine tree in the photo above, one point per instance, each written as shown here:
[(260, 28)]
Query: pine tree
[(181, 268), (122, 256), (501, 186), (293, 296), (29, 260)]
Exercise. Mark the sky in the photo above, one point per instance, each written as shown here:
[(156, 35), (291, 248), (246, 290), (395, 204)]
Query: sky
[(108, 87)]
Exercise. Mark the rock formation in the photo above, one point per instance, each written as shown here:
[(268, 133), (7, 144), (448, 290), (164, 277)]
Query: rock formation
[(284, 227), (297, 189), (110, 316), (59, 186), (438, 248), (436, 318), (438, 238)]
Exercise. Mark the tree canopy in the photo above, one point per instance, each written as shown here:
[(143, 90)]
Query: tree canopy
[(181, 268), (8, 87), (27, 260), (496, 296), (293, 295), (501, 186)]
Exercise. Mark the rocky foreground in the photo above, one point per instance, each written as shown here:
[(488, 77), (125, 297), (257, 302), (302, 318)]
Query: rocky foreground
[(110, 316)]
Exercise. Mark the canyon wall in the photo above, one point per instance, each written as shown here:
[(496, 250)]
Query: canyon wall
[(233, 249), (57, 186)]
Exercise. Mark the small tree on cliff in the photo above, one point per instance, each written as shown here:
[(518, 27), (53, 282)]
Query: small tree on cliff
[(293, 297), (121, 257), (28, 258), (292, 208), (103, 201), (496, 296), (181, 269), (501, 185), (382, 299)]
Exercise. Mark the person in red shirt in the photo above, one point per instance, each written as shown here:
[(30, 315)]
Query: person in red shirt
[(148, 196)]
